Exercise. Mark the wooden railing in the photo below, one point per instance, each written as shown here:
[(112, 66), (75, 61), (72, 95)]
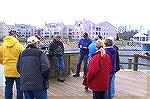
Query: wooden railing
[(135, 62)]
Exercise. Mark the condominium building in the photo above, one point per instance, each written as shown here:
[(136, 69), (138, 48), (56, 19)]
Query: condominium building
[(107, 29), (4, 29), (104, 29), (25, 31), (70, 31), (51, 29)]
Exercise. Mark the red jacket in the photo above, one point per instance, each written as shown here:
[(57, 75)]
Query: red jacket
[(98, 73)]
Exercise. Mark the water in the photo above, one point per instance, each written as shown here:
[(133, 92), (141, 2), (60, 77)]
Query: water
[(2, 78), (140, 60)]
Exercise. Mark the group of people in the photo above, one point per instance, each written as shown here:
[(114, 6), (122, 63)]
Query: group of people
[(99, 72), (29, 67)]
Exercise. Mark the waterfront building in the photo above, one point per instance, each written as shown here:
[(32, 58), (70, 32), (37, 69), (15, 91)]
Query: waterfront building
[(3, 29), (51, 29), (70, 31), (107, 30), (104, 29), (25, 31)]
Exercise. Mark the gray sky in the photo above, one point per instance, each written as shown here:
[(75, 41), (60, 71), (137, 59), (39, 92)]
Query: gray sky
[(37, 12)]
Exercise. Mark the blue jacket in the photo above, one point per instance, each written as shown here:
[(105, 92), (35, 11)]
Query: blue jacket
[(112, 52), (84, 43), (92, 49)]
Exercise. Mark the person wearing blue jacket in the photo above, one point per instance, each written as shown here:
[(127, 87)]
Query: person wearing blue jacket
[(92, 46), (112, 50), (84, 52)]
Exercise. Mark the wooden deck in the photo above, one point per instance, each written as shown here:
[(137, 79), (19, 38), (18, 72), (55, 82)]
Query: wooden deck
[(129, 85)]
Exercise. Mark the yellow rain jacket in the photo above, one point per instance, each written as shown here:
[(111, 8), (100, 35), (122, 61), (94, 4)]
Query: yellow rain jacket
[(10, 50)]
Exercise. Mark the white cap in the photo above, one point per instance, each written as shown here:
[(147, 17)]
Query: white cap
[(32, 40), (111, 38)]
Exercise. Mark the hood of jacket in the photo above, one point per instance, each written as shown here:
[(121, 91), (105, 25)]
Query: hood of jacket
[(111, 50), (9, 41)]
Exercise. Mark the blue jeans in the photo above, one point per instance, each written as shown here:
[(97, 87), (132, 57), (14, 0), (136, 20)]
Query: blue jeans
[(81, 58), (9, 88), (58, 62), (111, 89), (98, 94), (37, 94)]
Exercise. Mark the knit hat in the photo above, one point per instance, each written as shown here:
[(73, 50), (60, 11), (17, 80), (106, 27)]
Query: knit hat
[(32, 40)]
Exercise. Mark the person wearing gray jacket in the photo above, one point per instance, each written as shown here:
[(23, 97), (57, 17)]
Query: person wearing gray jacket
[(33, 66)]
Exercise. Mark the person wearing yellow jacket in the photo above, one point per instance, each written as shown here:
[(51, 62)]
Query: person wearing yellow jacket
[(10, 50)]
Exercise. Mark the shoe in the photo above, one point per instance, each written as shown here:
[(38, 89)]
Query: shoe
[(83, 76), (76, 75), (86, 88), (61, 80), (60, 76)]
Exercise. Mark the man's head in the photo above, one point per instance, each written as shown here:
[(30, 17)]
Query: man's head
[(57, 37), (33, 40), (108, 42), (85, 35)]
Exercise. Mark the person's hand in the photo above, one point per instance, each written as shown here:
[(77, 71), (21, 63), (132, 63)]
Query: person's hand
[(84, 47), (80, 46)]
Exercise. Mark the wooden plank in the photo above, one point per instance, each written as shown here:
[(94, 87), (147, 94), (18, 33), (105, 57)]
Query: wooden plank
[(128, 84)]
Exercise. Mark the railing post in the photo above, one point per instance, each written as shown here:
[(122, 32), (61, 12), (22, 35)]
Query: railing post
[(130, 63), (135, 67)]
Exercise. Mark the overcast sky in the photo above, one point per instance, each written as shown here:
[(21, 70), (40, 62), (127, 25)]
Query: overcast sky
[(37, 12)]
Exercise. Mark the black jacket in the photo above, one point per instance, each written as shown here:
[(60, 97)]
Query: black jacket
[(33, 66), (56, 48)]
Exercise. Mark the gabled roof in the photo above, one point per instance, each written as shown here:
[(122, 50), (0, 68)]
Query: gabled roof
[(102, 23), (140, 35)]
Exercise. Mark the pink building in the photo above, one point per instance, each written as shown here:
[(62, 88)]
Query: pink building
[(104, 29)]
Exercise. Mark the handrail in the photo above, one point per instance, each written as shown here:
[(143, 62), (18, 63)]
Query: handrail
[(135, 63)]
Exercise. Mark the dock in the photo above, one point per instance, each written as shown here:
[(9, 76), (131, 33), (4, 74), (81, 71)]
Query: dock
[(129, 85)]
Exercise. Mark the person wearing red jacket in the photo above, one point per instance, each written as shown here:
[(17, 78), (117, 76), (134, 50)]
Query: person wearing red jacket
[(98, 72)]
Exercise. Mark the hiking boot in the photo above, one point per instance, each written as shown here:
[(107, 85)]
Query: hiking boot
[(60, 76), (76, 75), (61, 79)]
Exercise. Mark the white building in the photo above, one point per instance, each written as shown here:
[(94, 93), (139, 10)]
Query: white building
[(51, 29), (25, 31), (4, 29), (82, 27), (140, 37), (70, 31), (104, 29)]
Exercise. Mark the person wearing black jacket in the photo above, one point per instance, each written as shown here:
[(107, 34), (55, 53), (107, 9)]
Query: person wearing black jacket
[(56, 52), (33, 66)]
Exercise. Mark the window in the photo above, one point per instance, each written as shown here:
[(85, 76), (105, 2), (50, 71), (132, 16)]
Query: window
[(99, 29), (96, 29)]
